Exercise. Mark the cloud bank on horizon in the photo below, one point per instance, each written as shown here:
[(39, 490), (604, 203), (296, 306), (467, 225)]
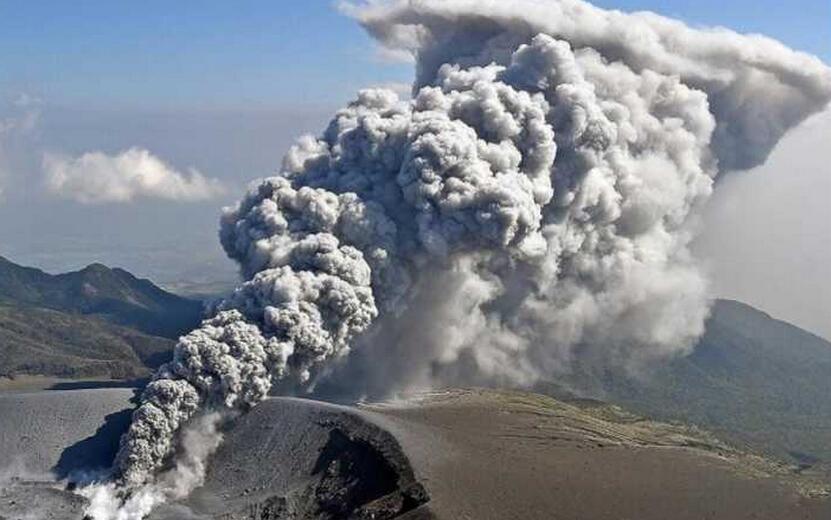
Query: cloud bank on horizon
[(534, 201), (97, 178), (92, 177)]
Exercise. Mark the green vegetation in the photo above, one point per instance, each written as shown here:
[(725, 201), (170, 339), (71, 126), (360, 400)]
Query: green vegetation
[(752, 379), (96, 322), (113, 294), (47, 342)]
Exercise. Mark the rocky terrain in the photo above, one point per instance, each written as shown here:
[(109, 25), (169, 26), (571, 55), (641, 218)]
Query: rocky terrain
[(456, 454), (754, 380)]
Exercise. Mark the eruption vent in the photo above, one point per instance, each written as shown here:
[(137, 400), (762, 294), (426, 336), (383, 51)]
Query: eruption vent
[(531, 203)]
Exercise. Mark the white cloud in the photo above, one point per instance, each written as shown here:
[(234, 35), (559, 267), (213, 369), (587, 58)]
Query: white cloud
[(95, 178)]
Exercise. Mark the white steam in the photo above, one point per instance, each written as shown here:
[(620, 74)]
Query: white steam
[(199, 440), (95, 178), (531, 203)]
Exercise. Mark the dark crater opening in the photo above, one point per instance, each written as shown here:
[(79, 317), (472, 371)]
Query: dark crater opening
[(357, 481), (351, 479)]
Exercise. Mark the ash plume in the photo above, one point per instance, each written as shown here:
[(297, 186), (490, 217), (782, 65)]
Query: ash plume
[(532, 202), (198, 440)]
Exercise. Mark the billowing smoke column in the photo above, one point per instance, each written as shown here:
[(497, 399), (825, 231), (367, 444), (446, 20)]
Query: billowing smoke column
[(531, 203)]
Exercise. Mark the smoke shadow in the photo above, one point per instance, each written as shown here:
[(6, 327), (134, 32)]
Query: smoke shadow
[(97, 451), (96, 385)]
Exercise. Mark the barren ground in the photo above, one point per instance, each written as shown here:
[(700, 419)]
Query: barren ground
[(476, 454)]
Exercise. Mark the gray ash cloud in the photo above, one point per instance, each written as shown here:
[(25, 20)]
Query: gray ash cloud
[(533, 201)]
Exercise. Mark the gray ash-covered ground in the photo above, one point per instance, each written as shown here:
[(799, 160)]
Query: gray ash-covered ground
[(62, 431), (301, 459), (457, 454), (48, 438), (35, 500), (497, 454)]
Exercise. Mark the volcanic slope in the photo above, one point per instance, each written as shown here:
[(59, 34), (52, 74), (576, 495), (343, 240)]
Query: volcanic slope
[(492, 455), (751, 379), (488, 454), (48, 437), (455, 454)]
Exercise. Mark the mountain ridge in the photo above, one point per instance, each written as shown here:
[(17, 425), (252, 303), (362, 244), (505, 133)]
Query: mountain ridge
[(753, 379), (94, 322), (114, 294)]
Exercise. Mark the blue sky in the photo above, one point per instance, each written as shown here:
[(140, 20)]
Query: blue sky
[(165, 54), (248, 53)]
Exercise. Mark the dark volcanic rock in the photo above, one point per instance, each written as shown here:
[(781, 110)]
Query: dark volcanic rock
[(299, 459)]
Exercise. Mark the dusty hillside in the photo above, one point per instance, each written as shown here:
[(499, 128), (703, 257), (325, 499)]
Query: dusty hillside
[(490, 454), (476, 454)]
